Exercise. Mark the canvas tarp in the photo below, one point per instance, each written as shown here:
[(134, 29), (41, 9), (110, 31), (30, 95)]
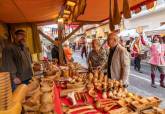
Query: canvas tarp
[(19, 11)]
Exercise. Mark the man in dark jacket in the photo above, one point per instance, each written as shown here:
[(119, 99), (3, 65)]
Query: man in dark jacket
[(129, 44), (16, 59), (55, 51)]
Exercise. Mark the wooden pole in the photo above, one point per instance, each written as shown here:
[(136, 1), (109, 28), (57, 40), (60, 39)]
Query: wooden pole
[(60, 34), (73, 32), (61, 40), (46, 36)]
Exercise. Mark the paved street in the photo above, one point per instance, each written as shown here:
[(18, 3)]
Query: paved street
[(139, 82)]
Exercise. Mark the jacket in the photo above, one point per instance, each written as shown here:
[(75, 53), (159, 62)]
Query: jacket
[(17, 61), (120, 65), (55, 53), (97, 59), (68, 53), (157, 54)]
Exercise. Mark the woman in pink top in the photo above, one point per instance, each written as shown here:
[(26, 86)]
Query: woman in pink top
[(157, 61)]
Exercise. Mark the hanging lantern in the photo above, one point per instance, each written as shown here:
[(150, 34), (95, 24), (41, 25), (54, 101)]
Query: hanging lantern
[(71, 3), (61, 20), (66, 16), (67, 12)]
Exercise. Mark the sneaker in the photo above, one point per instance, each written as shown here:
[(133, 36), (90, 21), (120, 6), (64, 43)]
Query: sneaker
[(153, 85), (162, 85)]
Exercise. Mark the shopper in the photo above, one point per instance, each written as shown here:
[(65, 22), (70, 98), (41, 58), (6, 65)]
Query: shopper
[(44, 52), (136, 54), (49, 52), (97, 56), (55, 51), (129, 44), (118, 60), (74, 46), (163, 38), (68, 52), (122, 42), (84, 51), (157, 61), (17, 60)]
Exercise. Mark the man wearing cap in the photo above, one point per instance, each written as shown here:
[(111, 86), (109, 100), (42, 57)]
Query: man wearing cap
[(17, 60)]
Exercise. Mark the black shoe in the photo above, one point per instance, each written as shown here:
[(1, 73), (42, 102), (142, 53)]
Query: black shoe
[(135, 68), (153, 85), (162, 85)]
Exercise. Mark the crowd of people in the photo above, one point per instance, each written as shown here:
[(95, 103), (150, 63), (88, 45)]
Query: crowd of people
[(103, 57), (114, 57), (115, 60), (157, 55)]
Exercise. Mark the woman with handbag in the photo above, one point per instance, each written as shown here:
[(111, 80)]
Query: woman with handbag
[(136, 50), (157, 61)]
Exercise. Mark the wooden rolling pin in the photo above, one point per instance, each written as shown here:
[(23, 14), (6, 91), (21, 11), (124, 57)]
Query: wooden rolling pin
[(15, 109), (20, 93)]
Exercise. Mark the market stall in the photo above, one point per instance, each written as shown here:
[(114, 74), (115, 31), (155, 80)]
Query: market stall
[(10, 102), (72, 90), (68, 89)]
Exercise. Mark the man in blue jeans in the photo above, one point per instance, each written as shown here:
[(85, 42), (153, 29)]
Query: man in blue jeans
[(16, 59)]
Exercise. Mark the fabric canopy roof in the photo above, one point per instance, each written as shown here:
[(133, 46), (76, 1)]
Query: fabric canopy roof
[(98, 10), (18, 11)]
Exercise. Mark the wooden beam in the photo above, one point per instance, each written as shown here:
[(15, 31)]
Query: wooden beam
[(74, 31), (61, 52), (46, 36)]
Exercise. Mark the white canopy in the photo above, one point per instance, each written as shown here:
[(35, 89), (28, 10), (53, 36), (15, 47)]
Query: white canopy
[(129, 33), (159, 30)]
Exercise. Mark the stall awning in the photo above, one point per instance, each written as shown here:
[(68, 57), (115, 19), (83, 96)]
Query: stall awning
[(18, 11), (98, 10)]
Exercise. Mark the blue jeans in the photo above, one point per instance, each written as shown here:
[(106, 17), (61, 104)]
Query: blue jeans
[(23, 82)]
